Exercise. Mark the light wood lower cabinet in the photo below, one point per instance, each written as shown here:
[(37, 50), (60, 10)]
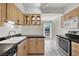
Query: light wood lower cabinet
[(31, 46), (75, 49), (36, 46), (40, 45), (22, 48)]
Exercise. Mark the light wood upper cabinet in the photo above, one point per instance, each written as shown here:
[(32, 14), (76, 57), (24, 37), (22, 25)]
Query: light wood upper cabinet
[(8, 11), (75, 49), (14, 14), (20, 18), (32, 19), (11, 12), (69, 17), (2, 13)]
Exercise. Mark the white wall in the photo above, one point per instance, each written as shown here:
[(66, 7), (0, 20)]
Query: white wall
[(25, 30), (4, 30), (48, 17), (29, 30)]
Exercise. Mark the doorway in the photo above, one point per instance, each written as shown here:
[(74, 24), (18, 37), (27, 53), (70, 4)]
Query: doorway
[(47, 29), (47, 32)]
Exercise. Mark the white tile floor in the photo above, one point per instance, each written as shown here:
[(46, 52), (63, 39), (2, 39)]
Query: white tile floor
[(51, 49)]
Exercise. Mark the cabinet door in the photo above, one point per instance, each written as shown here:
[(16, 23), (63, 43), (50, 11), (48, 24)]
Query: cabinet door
[(21, 49), (25, 47), (32, 46), (0, 14), (3, 12), (10, 12), (14, 13), (20, 18), (40, 45), (75, 49)]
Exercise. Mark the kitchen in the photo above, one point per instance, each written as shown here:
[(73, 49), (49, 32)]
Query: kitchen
[(23, 33)]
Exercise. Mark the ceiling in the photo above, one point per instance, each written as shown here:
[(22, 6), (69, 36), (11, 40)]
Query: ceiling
[(56, 8)]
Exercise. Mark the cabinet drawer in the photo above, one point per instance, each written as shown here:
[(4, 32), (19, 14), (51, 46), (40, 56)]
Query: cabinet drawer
[(75, 45), (75, 49), (75, 52)]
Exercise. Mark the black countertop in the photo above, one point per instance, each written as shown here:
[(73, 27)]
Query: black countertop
[(35, 36), (65, 37), (5, 48)]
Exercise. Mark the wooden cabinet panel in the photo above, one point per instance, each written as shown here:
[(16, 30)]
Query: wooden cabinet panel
[(32, 19), (40, 45), (32, 45), (73, 13), (14, 14), (20, 18), (11, 12), (75, 49), (26, 47), (0, 14), (22, 48), (8, 11), (3, 12), (36, 46)]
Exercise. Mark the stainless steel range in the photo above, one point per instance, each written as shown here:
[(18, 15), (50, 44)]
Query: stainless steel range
[(64, 45)]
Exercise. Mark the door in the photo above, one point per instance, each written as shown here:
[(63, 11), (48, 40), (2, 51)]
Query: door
[(47, 29), (47, 32)]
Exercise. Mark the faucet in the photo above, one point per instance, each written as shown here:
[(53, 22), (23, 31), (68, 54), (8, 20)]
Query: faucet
[(10, 32)]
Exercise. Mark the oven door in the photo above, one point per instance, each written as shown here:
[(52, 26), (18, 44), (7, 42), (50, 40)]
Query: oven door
[(64, 45)]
